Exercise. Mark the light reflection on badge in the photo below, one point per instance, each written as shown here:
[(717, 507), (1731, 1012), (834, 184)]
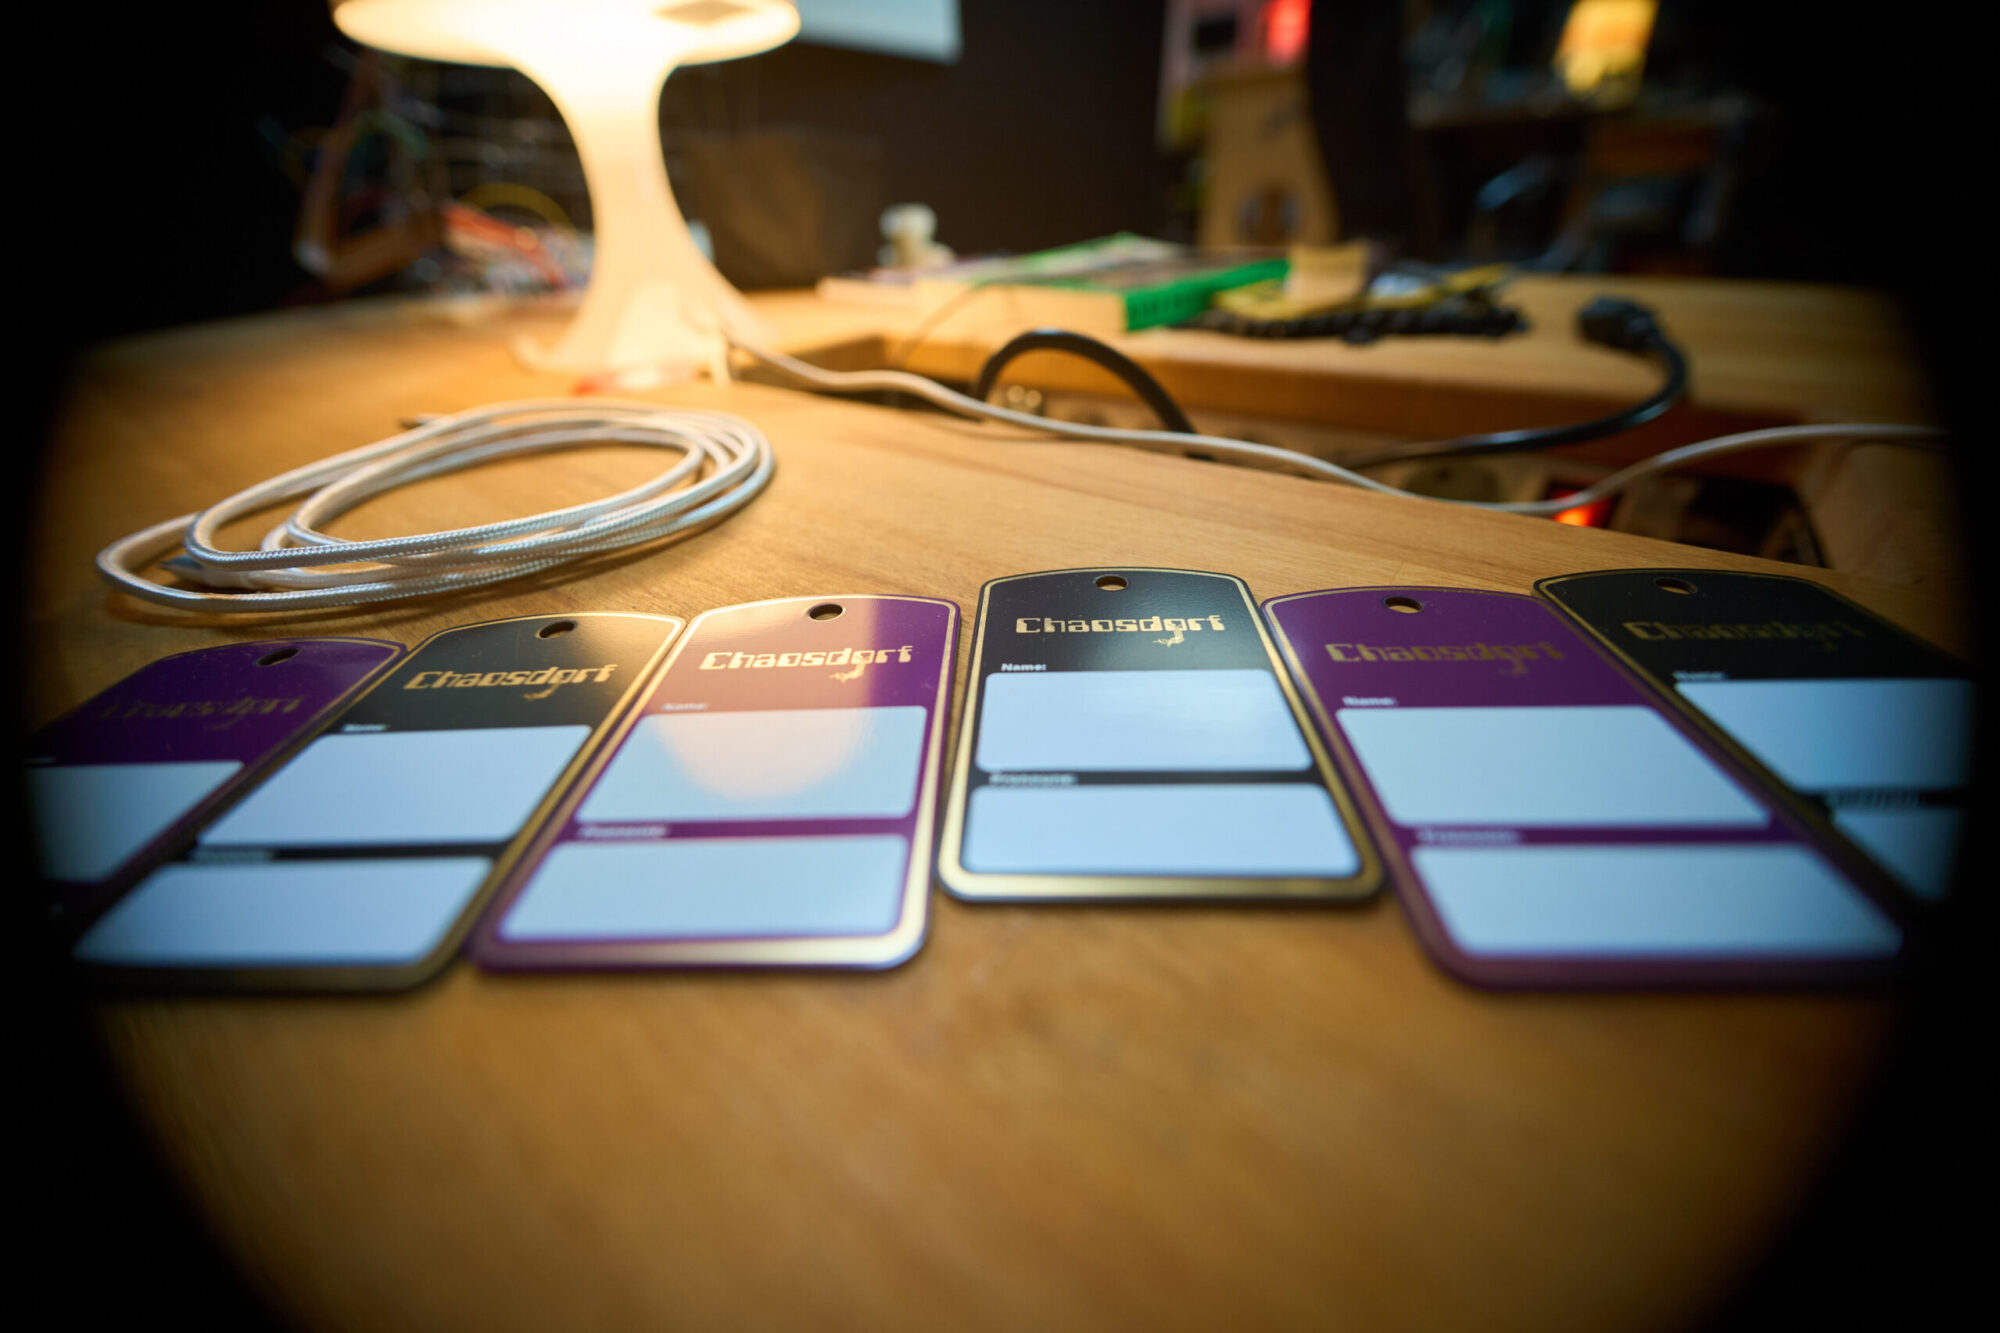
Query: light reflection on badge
[(769, 803)]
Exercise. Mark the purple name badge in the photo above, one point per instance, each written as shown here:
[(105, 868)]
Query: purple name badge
[(770, 802), (118, 781), (361, 860), (1548, 823)]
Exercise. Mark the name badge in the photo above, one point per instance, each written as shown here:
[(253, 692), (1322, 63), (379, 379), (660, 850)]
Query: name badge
[(120, 781), (1868, 726), (360, 863), (1548, 823), (768, 803), (1129, 734)]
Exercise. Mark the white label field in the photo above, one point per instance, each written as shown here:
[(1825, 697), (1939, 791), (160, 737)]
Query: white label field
[(1823, 735), (803, 763), (1252, 828), (403, 787), (1138, 721), (1618, 765), (286, 913), (1664, 900), (714, 888), (89, 818)]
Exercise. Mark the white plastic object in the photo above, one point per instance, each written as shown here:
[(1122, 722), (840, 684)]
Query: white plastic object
[(910, 230), (653, 297)]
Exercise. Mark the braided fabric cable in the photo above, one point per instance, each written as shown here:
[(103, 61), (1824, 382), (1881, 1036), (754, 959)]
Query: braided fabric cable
[(724, 463)]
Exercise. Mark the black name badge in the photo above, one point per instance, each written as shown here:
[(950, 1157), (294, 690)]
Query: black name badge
[(768, 803), (1130, 734), (361, 862), (1868, 726), (115, 785)]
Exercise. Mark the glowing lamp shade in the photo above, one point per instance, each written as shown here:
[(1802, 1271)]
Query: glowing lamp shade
[(653, 297)]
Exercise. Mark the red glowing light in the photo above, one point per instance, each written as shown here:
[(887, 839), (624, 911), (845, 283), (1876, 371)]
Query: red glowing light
[(1596, 514), (1286, 23)]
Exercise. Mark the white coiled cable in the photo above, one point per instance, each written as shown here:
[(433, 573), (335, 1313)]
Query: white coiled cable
[(725, 461)]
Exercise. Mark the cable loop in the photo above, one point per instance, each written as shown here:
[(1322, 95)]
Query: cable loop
[(724, 462)]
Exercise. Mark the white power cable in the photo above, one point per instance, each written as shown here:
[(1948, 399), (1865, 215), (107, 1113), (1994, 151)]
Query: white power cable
[(725, 461), (297, 566), (1278, 459)]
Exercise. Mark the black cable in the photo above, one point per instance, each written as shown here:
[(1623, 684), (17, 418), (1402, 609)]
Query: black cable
[(1608, 321), (1469, 315), (1130, 372)]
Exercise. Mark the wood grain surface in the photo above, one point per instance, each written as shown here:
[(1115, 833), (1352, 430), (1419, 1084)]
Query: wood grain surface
[(1084, 1117)]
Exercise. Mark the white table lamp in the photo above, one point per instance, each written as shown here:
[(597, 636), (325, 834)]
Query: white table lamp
[(653, 298)]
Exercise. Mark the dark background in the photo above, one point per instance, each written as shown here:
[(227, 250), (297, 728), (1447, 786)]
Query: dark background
[(144, 198), (150, 199)]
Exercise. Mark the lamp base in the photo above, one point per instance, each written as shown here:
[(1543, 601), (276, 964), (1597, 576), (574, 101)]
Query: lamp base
[(661, 321), (654, 299)]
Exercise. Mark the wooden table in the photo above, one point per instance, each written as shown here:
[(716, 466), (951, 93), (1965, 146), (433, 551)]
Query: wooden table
[(1052, 1118)]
